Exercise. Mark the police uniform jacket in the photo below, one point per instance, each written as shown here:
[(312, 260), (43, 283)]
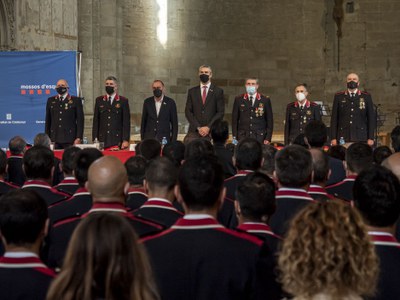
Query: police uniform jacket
[(254, 121), (199, 114), (388, 250), (343, 189), (319, 193), (225, 157), (233, 182), (68, 185), (15, 173), (165, 124), (136, 198), (111, 122), (49, 194), (6, 186), (201, 259), (61, 231), (24, 278), (289, 201), (64, 119), (77, 205), (297, 118), (353, 118), (159, 211)]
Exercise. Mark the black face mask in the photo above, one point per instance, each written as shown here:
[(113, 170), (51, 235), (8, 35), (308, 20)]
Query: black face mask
[(157, 93), (351, 85), (61, 90), (109, 90), (204, 78)]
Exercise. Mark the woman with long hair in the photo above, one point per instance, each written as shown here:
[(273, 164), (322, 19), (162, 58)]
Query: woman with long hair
[(104, 261), (328, 255)]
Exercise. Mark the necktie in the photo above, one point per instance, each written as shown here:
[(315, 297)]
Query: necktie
[(204, 95), (251, 101), (352, 95), (61, 98), (109, 100)]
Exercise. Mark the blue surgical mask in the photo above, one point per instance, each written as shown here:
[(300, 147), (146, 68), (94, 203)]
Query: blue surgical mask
[(250, 89)]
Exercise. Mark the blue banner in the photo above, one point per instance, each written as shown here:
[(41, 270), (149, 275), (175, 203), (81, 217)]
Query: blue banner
[(27, 79)]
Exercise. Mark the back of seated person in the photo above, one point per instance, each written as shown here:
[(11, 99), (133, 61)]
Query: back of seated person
[(4, 186), (136, 169), (198, 147), (150, 148), (69, 184), (24, 224), (175, 151), (321, 173), (268, 165), (15, 174), (381, 153)]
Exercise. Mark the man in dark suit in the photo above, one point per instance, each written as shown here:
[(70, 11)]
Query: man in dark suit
[(159, 116), (376, 196), (299, 113), (15, 174), (64, 117), (353, 114), (204, 105), (24, 224), (252, 114), (111, 118)]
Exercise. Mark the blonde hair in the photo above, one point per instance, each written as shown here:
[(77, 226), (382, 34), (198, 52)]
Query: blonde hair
[(328, 250), (104, 260)]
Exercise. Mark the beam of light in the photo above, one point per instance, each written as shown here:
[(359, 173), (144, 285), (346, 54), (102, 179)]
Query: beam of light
[(162, 28)]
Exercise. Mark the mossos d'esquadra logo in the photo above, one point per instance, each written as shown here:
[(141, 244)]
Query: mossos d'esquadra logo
[(37, 89)]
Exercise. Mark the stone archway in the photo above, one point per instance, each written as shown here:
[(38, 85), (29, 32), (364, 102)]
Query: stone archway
[(7, 24)]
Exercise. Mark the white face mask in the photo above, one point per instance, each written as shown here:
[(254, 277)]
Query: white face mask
[(300, 96)]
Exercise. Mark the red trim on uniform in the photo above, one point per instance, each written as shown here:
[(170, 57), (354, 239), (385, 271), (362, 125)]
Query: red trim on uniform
[(151, 203), (43, 184), (116, 98), (137, 191), (67, 182), (293, 193), (27, 260), (258, 96), (256, 226), (65, 221), (16, 156), (10, 184), (239, 174), (316, 189), (383, 239), (347, 179)]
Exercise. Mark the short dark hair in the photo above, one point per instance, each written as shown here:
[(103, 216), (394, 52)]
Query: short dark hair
[(83, 160), (136, 169), (377, 196), (358, 157), (161, 174), (17, 145), (338, 152), (23, 215), (175, 151), (320, 161), (199, 147), (248, 154), (220, 132), (150, 148), (395, 137), (316, 133), (268, 165), (381, 153), (68, 159), (38, 162), (3, 162), (293, 166), (201, 179), (256, 196), (300, 141), (42, 139)]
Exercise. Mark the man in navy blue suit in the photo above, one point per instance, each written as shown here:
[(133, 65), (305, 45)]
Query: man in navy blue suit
[(159, 116)]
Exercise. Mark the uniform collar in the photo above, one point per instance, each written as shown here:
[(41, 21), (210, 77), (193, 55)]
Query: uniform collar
[(66, 96), (21, 262), (36, 183), (69, 180), (357, 92), (306, 104), (201, 221), (81, 191), (108, 206), (294, 193), (257, 96), (256, 227), (159, 203), (114, 97), (383, 239), (134, 190)]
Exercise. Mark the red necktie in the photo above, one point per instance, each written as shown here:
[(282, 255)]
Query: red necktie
[(204, 95)]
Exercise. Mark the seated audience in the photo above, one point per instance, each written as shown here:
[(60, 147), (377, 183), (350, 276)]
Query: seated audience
[(377, 197), (316, 136), (381, 153), (108, 184), (23, 225), (268, 165), (136, 168), (161, 178), (15, 174), (38, 165), (198, 147), (293, 169), (338, 152), (198, 258), (358, 158), (327, 254), (104, 261), (320, 176), (219, 135), (42, 139), (149, 148), (69, 184), (4, 185), (81, 200), (175, 151)]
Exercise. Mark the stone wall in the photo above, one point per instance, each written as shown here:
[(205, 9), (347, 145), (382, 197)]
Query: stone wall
[(281, 42)]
